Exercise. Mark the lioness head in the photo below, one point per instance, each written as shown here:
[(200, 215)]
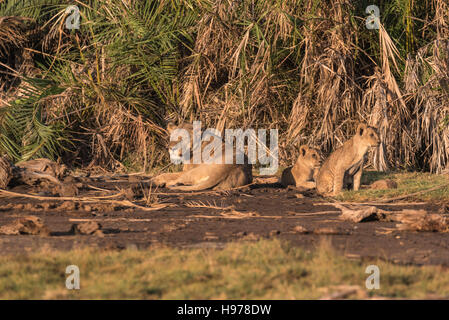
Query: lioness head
[(309, 156), (368, 136), (176, 136), (182, 142)]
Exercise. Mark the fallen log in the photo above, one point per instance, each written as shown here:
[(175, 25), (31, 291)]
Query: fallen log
[(358, 213), (30, 225), (422, 221), (409, 219), (34, 171)]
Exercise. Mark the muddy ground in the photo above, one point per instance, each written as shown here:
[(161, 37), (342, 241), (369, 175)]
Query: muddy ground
[(263, 210)]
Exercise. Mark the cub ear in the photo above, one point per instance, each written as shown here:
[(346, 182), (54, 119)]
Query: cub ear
[(303, 150), (171, 126), (361, 128)]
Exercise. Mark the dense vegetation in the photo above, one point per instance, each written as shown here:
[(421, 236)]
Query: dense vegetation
[(101, 95)]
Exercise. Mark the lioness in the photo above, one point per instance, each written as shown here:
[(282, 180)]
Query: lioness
[(201, 176), (301, 174), (345, 164)]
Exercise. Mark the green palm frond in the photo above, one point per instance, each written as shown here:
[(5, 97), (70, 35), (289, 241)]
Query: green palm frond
[(25, 129)]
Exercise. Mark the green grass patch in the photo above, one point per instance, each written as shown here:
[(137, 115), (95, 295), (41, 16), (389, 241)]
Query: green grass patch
[(268, 269), (408, 183)]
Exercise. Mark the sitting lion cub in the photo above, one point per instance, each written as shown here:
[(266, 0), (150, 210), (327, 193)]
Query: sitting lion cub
[(301, 174), (345, 164), (202, 176)]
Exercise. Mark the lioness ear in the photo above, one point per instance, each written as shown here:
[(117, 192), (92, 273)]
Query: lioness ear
[(170, 127), (361, 128), (303, 150)]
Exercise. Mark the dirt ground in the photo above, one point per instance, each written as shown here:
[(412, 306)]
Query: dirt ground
[(263, 210)]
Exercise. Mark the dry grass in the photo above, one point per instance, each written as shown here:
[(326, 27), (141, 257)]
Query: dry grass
[(254, 270)]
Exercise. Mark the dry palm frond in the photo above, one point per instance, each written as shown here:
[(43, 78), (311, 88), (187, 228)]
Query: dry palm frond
[(234, 214), (201, 204), (379, 118), (12, 33), (431, 136), (5, 172), (328, 95)]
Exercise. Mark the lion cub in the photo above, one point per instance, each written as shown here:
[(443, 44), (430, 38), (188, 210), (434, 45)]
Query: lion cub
[(196, 177), (345, 164), (301, 174)]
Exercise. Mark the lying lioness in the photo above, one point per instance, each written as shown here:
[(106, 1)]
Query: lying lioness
[(202, 176), (301, 174), (345, 165)]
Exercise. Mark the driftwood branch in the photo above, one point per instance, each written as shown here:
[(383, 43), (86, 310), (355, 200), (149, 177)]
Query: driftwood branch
[(99, 199)]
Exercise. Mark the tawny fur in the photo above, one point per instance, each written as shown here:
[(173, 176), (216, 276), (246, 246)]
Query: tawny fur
[(301, 174), (345, 165), (196, 177)]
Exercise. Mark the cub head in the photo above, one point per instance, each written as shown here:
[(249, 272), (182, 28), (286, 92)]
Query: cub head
[(309, 156), (368, 136)]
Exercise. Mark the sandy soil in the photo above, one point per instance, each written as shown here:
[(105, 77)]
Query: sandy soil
[(261, 211)]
